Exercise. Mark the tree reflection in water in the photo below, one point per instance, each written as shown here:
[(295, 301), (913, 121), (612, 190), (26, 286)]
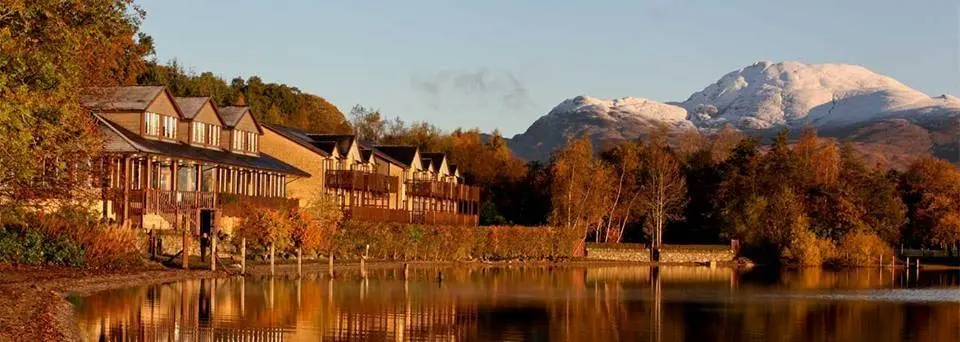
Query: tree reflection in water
[(537, 303)]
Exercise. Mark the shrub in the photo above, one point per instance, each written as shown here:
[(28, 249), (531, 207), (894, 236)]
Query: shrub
[(806, 249), (70, 236), (862, 248), (394, 241)]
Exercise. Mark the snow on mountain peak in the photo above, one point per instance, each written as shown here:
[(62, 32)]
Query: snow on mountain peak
[(766, 94), (619, 109)]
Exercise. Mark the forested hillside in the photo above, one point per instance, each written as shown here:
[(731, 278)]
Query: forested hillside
[(271, 102)]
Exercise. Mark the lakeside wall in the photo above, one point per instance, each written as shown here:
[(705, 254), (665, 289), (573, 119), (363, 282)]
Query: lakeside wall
[(669, 253)]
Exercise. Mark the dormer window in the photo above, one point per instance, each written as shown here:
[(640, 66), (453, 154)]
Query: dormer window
[(199, 133), (245, 141), (205, 134), (160, 125)]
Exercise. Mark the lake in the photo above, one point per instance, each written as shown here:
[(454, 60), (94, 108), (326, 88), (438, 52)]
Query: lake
[(593, 304)]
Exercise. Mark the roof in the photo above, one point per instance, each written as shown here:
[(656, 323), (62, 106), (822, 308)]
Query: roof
[(435, 157), (190, 106), (365, 155), (427, 164), (136, 98), (119, 139), (302, 138), (400, 153), (453, 169), (342, 141), (232, 114)]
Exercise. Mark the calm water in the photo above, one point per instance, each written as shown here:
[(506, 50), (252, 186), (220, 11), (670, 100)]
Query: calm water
[(514, 304)]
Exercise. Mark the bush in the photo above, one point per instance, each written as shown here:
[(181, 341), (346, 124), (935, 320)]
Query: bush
[(861, 248), (806, 249), (70, 236), (394, 241)]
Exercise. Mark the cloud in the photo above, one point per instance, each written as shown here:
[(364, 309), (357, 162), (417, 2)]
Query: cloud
[(482, 87)]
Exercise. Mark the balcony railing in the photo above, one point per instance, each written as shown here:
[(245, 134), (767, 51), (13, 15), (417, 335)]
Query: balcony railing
[(361, 181), (443, 190)]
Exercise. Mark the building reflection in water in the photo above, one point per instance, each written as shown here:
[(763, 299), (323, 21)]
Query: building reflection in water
[(546, 304)]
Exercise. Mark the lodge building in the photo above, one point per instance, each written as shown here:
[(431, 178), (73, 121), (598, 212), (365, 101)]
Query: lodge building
[(174, 162)]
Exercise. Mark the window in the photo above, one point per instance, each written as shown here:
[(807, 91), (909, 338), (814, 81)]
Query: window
[(238, 140), (214, 135), (252, 142), (169, 127), (151, 123), (186, 178), (199, 133)]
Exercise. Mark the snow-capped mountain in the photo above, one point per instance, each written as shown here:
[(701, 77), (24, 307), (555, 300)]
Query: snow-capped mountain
[(604, 121), (767, 95), (839, 99)]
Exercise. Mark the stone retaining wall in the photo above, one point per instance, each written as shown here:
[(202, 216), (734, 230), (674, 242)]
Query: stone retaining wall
[(671, 254)]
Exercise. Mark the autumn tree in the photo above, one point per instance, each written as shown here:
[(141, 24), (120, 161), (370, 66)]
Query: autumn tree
[(625, 162), (49, 51), (580, 185), (931, 190), (367, 123), (265, 229), (662, 187)]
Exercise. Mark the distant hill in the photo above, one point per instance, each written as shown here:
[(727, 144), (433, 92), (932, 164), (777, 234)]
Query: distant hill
[(883, 117)]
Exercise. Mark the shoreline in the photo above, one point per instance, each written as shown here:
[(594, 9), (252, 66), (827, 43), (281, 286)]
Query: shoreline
[(36, 297)]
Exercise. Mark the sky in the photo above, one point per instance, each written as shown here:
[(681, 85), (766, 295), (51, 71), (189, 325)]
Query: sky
[(501, 64)]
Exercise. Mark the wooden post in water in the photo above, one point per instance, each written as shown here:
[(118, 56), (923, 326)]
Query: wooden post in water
[(406, 271), (330, 265), (271, 259), (243, 256), (299, 262), (186, 250), (363, 267), (881, 260), (213, 253)]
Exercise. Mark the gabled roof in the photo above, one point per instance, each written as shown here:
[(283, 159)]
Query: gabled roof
[(402, 154), (427, 164), (342, 141), (231, 116), (453, 170), (128, 98), (365, 154), (377, 153), (119, 139), (136, 98), (190, 105), (302, 138), (436, 158)]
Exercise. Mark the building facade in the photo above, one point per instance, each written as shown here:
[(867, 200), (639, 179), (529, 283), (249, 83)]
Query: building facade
[(182, 162), (375, 182)]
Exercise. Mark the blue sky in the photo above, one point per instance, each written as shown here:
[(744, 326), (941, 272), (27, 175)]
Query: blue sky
[(504, 63)]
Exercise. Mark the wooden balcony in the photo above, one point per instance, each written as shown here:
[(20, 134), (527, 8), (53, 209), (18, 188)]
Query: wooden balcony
[(361, 181), (443, 190)]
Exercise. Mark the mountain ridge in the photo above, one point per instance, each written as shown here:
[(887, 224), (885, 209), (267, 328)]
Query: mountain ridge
[(761, 98)]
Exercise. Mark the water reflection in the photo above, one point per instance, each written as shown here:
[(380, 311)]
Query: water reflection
[(540, 304)]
